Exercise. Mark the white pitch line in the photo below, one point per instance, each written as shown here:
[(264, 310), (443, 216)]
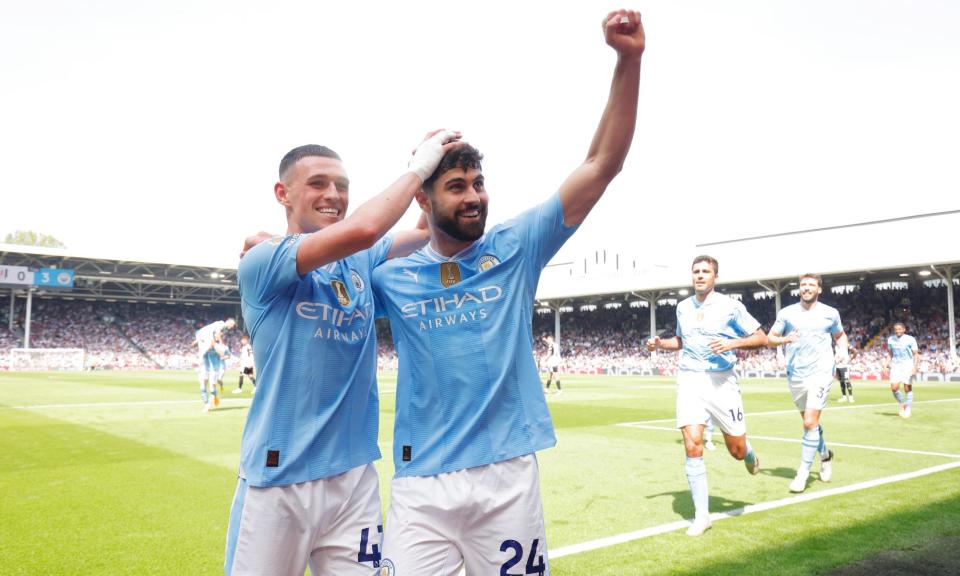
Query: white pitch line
[(794, 411), (831, 443), (749, 509), (110, 404)]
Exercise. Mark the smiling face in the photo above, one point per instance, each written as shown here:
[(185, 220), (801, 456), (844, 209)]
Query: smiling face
[(809, 289), (899, 329), (704, 277), (315, 192), (457, 204)]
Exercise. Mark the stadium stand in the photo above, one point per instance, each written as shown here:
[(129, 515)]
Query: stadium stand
[(134, 315)]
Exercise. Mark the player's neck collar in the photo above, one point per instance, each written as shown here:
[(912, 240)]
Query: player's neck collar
[(461, 255)]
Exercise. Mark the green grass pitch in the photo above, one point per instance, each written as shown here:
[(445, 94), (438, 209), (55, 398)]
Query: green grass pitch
[(121, 473)]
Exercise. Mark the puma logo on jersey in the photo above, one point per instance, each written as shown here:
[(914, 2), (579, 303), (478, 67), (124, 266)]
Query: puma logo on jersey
[(415, 274)]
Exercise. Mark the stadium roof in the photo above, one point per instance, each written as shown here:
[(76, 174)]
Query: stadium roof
[(879, 250), (103, 278)]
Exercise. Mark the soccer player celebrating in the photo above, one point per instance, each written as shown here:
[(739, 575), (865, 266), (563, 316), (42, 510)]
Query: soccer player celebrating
[(809, 329), (307, 489), (470, 408), (710, 326), (208, 339), (903, 362)]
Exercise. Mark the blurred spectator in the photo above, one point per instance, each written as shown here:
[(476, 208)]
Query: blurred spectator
[(123, 335)]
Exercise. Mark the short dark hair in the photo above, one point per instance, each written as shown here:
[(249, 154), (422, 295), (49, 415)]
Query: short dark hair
[(300, 152), (895, 324), (464, 157), (709, 259), (814, 276)]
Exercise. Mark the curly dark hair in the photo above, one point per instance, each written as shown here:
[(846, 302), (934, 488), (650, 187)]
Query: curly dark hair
[(465, 157)]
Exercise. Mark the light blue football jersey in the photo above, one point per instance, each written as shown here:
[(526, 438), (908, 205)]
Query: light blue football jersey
[(700, 323), (468, 391), (208, 332), (812, 353), (902, 348), (314, 343), (211, 361)]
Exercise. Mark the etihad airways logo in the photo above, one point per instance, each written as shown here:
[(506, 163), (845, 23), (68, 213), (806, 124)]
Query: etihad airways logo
[(454, 301), (327, 313), (336, 324)]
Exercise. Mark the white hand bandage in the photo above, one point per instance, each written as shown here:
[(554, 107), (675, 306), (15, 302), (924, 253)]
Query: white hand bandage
[(429, 153)]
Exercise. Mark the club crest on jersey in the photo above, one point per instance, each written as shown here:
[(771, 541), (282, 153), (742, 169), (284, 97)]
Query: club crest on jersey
[(449, 274), (487, 261), (340, 289), (357, 280), (387, 568)]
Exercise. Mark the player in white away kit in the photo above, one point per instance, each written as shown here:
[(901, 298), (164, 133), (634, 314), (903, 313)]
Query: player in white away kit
[(710, 326), (208, 358), (903, 362), (470, 408), (553, 363), (809, 329), (307, 491), (247, 366)]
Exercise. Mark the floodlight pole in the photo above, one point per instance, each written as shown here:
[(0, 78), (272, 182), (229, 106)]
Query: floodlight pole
[(556, 325), (947, 276), (775, 286), (556, 318), (651, 298), (26, 324)]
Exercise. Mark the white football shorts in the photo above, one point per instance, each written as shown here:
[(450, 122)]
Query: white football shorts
[(901, 373), (811, 393), (334, 524), (489, 519), (703, 395)]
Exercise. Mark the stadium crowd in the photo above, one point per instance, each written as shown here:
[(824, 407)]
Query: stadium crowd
[(612, 340), (123, 335), (113, 335)]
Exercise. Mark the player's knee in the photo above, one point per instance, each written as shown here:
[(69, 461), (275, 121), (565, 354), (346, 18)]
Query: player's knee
[(693, 447)]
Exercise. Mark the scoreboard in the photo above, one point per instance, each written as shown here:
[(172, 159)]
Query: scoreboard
[(45, 277)]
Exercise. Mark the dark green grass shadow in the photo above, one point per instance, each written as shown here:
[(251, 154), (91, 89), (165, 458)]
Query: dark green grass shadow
[(683, 503), (853, 535), (826, 550)]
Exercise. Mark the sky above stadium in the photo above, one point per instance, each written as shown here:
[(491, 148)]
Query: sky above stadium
[(153, 130)]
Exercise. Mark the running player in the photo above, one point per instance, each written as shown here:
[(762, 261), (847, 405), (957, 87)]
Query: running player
[(809, 330), (247, 366), (903, 362), (710, 326), (470, 409), (307, 491)]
